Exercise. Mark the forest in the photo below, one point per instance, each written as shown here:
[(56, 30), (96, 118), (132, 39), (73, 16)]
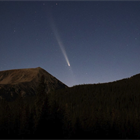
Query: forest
[(104, 110)]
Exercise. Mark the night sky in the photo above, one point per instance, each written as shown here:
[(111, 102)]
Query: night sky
[(77, 42)]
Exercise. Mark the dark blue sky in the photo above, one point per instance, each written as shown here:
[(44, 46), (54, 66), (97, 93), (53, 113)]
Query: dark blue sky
[(99, 40)]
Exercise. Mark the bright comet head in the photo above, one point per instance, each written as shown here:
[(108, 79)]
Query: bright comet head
[(69, 64)]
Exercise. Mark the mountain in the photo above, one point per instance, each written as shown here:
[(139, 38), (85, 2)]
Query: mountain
[(22, 82), (39, 106), (103, 111)]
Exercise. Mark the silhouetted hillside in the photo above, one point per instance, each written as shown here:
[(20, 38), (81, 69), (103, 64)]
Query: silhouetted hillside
[(107, 110)]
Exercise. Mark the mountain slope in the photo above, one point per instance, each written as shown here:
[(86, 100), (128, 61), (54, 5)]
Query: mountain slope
[(21, 82), (106, 110)]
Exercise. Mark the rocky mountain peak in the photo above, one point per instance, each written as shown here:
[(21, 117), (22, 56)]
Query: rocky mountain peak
[(26, 81)]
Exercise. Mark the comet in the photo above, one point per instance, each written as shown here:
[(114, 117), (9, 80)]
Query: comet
[(60, 43), (62, 47), (57, 36)]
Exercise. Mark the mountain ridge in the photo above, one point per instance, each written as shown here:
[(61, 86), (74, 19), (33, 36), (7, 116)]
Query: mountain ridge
[(38, 70), (26, 81)]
